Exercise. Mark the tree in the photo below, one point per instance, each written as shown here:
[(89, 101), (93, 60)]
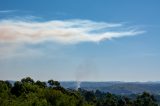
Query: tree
[(53, 83), (110, 100), (17, 89), (8, 84), (27, 80), (56, 83), (145, 100), (90, 96), (41, 84), (3, 86)]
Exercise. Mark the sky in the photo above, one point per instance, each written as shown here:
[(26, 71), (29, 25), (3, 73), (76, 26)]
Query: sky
[(85, 40)]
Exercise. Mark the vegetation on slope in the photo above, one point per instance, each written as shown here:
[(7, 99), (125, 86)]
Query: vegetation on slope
[(27, 92)]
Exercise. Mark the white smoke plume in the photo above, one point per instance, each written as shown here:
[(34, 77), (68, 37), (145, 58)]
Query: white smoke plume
[(86, 71)]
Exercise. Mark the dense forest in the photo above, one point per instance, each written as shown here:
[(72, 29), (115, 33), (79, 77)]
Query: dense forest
[(28, 92)]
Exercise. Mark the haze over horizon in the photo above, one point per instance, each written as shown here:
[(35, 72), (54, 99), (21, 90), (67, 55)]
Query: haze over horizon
[(80, 40)]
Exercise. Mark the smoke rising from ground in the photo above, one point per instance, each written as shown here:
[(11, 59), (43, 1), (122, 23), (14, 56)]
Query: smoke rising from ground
[(85, 70)]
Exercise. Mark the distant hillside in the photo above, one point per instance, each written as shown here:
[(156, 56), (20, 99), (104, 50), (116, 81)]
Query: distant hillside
[(125, 88), (117, 87)]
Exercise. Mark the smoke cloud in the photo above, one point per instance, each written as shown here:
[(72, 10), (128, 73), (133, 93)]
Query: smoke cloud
[(16, 33), (61, 31)]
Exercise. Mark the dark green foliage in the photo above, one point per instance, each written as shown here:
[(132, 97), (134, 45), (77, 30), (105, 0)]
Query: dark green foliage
[(145, 100), (41, 84), (27, 80), (9, 85), (53, 83), (17, 89), (27, 92), (110, 100)]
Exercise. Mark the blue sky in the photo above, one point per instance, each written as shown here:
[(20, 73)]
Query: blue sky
[(100, 40)]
